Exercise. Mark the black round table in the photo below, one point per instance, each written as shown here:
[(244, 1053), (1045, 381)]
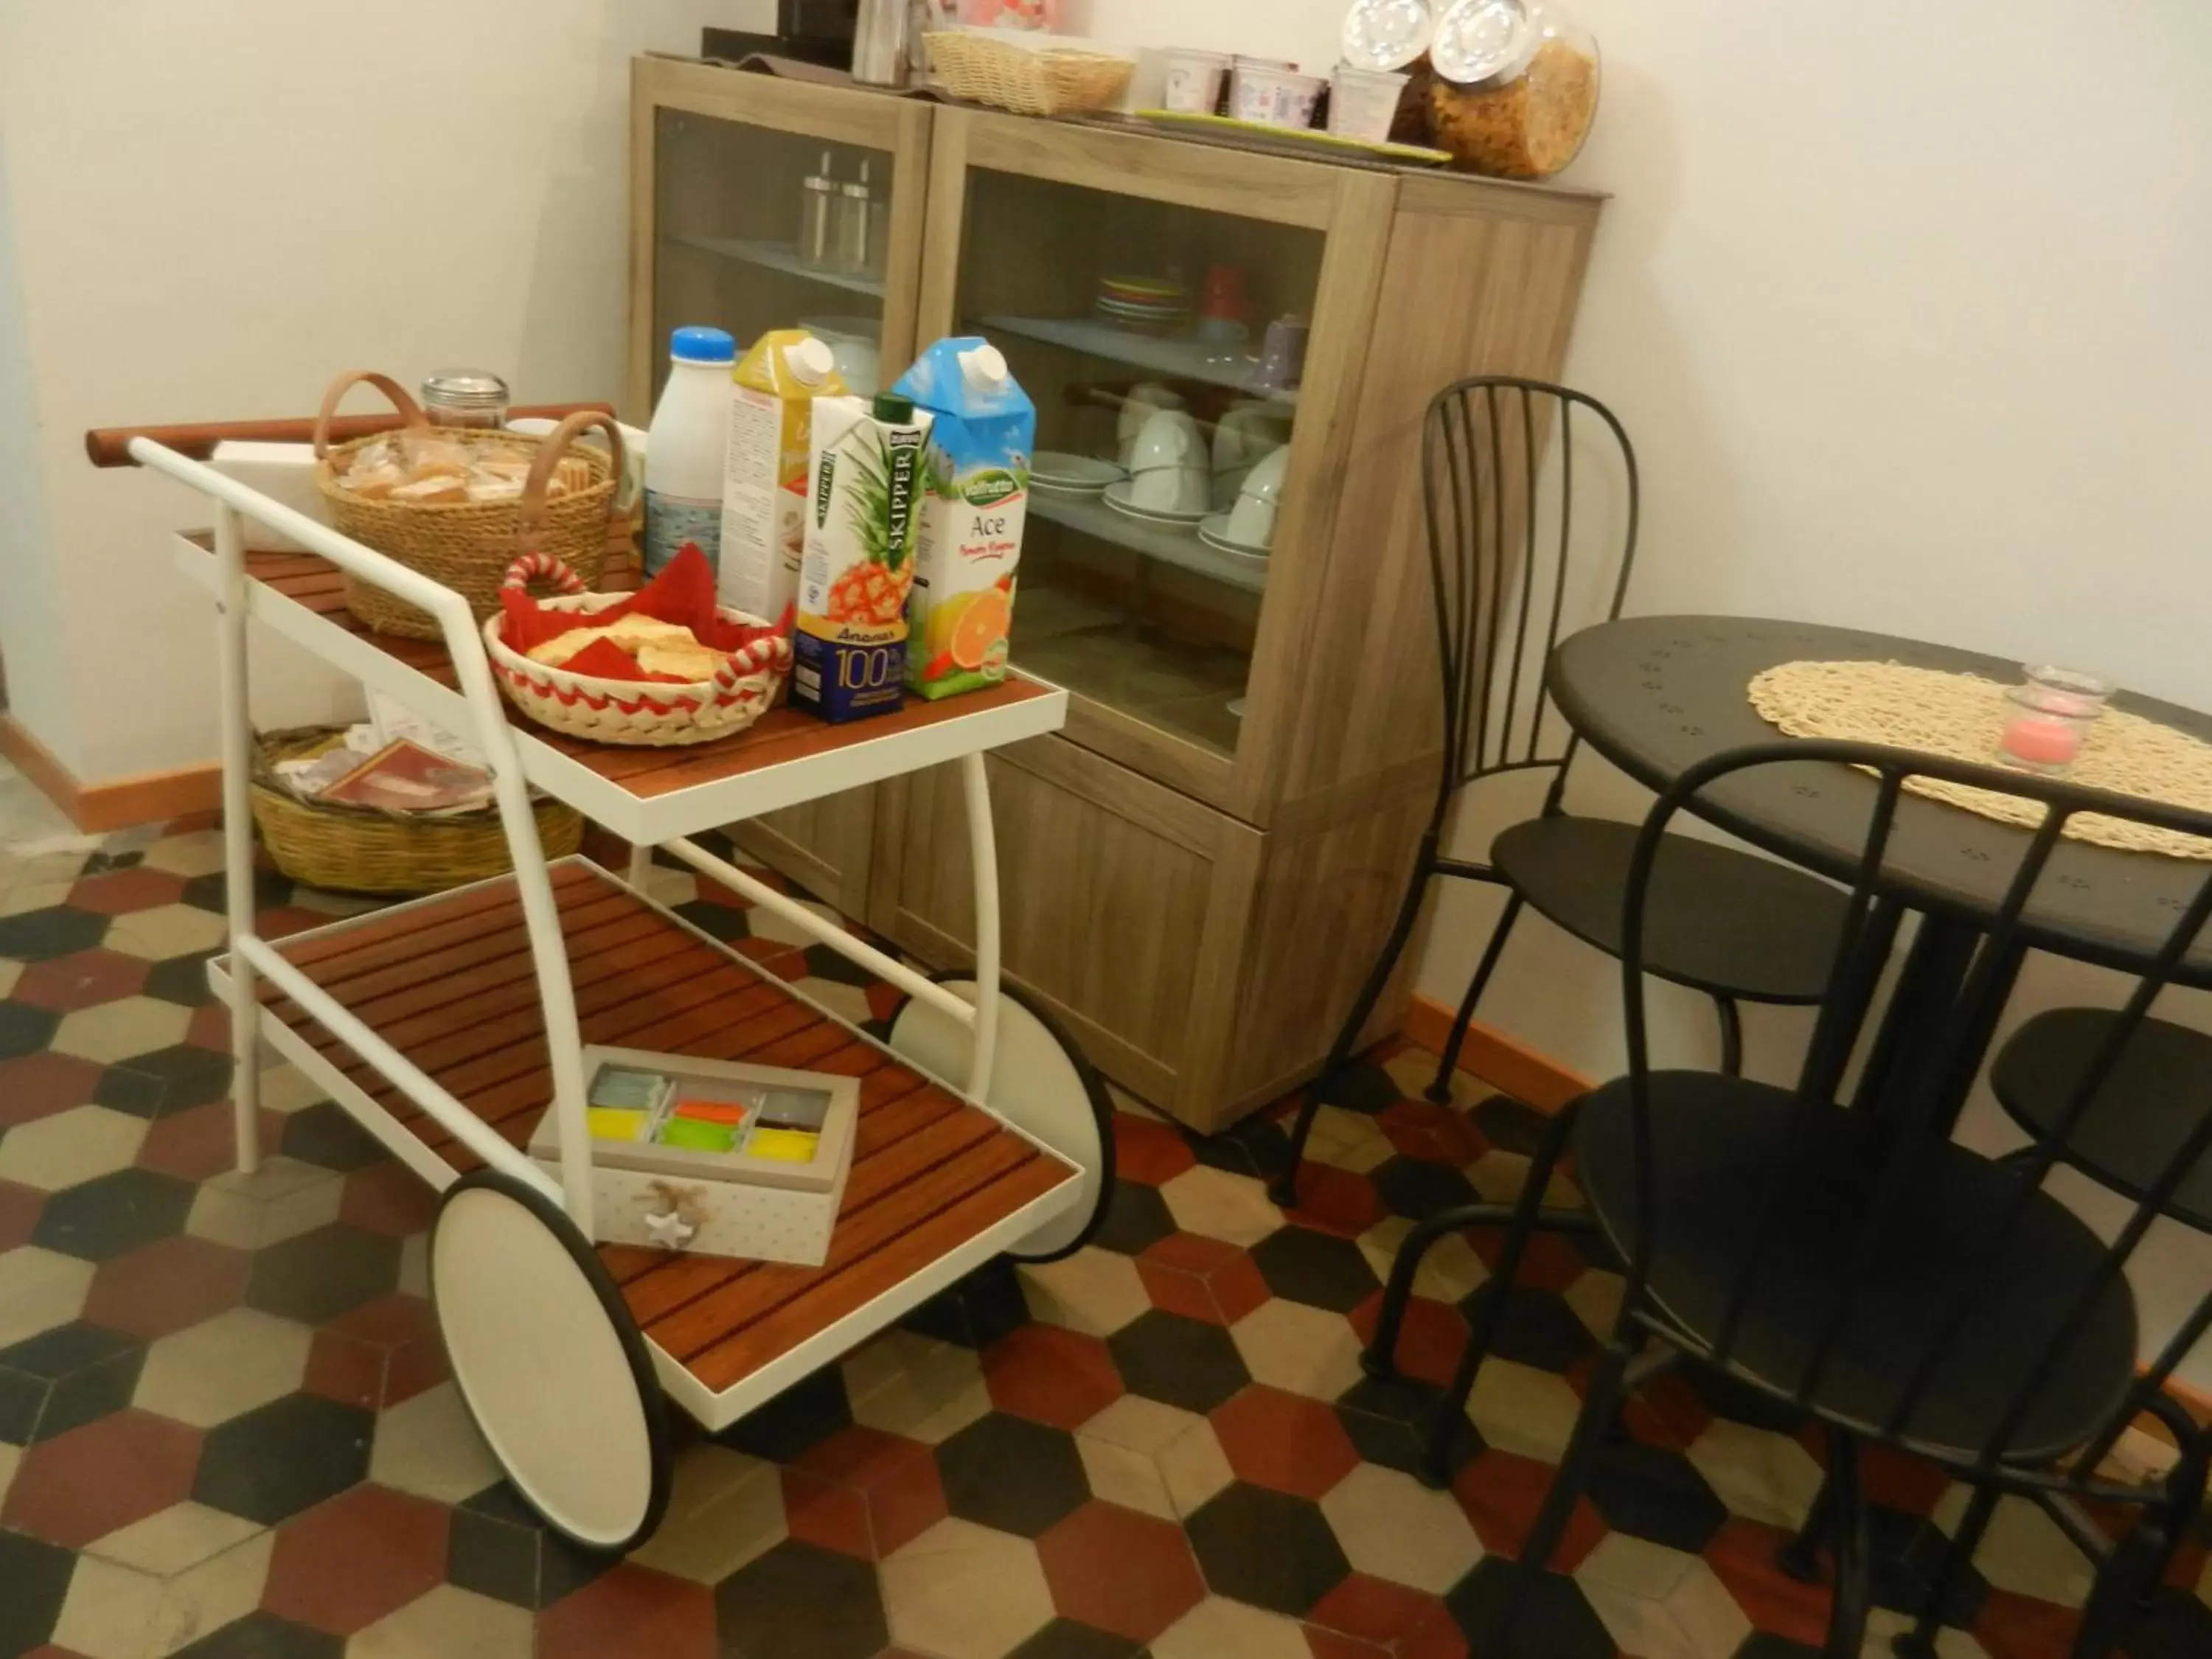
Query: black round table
[(1654, 695)]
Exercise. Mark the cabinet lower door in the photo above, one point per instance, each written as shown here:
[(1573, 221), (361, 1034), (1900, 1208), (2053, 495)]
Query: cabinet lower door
[(825, 846), (1122, 904)]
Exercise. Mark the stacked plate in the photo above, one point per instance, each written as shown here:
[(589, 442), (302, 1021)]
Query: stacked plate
[(1064, 474), (1213, 531), (1157, 303)]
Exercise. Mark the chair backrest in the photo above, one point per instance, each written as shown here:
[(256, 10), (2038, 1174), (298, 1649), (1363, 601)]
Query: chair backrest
[(1889, 1162), (1506, 563)]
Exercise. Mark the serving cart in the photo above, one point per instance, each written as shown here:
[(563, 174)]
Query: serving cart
[(445, 1026)]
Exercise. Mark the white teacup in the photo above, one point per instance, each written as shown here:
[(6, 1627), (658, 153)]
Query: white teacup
[(1169, 489), (1252, 520), (1147, 399), (1169, 437)]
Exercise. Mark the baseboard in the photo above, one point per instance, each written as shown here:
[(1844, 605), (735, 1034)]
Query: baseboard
[(1495, 1058), (149, 798)]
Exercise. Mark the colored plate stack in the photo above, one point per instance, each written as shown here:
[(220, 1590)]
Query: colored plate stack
[(1156, 305)]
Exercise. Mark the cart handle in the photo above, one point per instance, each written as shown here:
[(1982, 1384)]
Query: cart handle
[(110, 446)]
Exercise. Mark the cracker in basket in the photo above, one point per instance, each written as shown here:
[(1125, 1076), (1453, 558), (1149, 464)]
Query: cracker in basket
[(561, 647), (485, 487), (690, 662), (434, 491), (373, 483), (634, 630), (428, 455)]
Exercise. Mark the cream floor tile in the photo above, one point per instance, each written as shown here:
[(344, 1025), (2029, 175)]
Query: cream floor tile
[(1702, 1608), (1233, 1208), (286, 1089), (1642, 1627), (1759, 1475), (40, 1289), (337, 905), (1522, 1410), (1596, 1297), (415, 1265), (1141, 1424), (10, 971), (1118, 1475), (168, 929), (114, 1612), (54, 1152), (179, 1537), (38, 893), (1348, 1141), (11, 1459), (1217, 1628), (282, 1200), (726, 1508), (1449, 1272), (2023, 1551), (224, 1366), (1193, 1467), (965, 1592), (117, 1031), (448, 1623), (913, 1385), (1393, 1527), (1633, 1567), (1125, 1101), (1414, 1069), (1500, 1176), (198, 853), (427, 1446), (765, 923), (1302, 1350), (848, 1002), (1883, 1627), (1093, 1291)]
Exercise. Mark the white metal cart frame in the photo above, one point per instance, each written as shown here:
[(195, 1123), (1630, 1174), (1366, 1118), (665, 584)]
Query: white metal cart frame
[(1045, 1094)]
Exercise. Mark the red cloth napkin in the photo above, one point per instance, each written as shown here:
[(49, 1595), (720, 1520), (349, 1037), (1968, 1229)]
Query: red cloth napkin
[(683, 593)]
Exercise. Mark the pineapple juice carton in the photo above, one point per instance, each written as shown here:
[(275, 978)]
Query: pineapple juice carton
[(764, 477), (977, 476), (849, 653)]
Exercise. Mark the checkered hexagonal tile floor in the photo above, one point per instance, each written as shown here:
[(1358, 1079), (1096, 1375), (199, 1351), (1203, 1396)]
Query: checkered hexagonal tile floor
[(226, 1428)]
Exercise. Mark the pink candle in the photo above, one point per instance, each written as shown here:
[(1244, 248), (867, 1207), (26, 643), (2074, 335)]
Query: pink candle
[(2042, 742)]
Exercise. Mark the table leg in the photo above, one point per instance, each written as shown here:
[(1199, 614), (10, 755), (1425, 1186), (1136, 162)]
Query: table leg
[(1921, 1029)]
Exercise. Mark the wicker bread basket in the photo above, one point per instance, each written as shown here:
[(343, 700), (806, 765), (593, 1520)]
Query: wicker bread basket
[(1028, 80), (357, 849), (468, 545), (645, 712)]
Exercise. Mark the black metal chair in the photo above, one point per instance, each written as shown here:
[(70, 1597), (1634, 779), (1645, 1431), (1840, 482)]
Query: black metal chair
[(1855, 1262), (1736, 927)]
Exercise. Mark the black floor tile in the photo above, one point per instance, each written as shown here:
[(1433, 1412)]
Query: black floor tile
[(977, 1311), (34, 1577), (1178, 1361), (94, 1392), (799, 1602), (1655, 1494), (1265, 1548), (65, 1349), (1256, 1146), (1414, 1187), (1363, 1086), (1137, 1217), (801, 1417), (271, 888), (491, 1551), (182, 979), (1510, 1125), (323, 1133), (720, 921), (25, 1029), (111, 1214), (191, 1075), (124, 1089), (1319, 1269), (22, 1399), (265, 1635), (280, 1458), (1007, 1471), (1908, 1552), (320, 1275), (1557, 1620), (1063, 1639), (42, 935), (1765, 1644), (1537, 1328), (2175, 1626)]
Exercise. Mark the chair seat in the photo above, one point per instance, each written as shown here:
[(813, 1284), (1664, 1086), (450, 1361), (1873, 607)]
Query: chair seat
[(1718, 920), (2158, 1092), (1720, 1147)]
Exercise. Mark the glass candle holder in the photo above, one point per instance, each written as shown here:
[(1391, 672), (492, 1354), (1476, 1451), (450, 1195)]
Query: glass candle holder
[(2048, 716)]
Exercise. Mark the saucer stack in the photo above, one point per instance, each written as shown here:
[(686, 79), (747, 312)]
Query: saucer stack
[(1156, 305)]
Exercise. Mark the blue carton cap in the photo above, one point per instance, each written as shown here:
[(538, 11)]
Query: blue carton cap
[(697, 345)]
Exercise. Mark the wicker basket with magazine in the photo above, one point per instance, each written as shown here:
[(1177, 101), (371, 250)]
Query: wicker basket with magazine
[(467, 545), (357, 849), (988, 67)]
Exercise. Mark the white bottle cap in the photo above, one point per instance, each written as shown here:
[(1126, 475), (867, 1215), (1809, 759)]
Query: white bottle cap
[(810, 361), (983, 366)]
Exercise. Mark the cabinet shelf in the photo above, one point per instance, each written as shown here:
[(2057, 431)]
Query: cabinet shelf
[(1185, 360), (779, 256), (1165, 543)]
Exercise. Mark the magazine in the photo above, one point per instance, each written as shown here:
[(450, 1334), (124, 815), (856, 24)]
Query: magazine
[(404, 776)]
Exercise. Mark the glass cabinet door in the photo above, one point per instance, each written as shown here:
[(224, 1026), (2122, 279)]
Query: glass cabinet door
[(1163, 345), (755, 228)]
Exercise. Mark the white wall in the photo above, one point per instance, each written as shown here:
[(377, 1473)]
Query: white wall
[(210, 209)]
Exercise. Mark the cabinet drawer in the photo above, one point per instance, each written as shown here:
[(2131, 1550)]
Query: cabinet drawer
[(1122, 902), (823, 845)]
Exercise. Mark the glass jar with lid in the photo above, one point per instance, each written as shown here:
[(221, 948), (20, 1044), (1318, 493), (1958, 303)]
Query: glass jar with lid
[(1516, 86), (465, 397)]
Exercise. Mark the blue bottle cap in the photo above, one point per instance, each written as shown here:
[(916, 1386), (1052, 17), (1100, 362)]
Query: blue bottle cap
[(702, 345)]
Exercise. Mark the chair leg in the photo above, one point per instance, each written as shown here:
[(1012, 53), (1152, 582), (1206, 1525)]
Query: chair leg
[(2186, 1483), (1800, 1557), (1490, 1307), (1440, 1090), (1608, 1388), (1379, 1358), (1284, 1187), (1919, 1642), (2130, 1574), (1731, 1035), (1847, 1618)]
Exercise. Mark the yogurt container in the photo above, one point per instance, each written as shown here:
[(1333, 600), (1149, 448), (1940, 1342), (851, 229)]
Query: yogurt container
[(1276, 97), (1362, 103)]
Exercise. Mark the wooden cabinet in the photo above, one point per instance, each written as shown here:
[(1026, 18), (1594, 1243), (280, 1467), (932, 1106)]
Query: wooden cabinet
[(1198, 871)]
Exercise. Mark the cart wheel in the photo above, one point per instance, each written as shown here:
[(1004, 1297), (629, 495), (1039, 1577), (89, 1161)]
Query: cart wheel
[(553, 1370), (1040, 1081)]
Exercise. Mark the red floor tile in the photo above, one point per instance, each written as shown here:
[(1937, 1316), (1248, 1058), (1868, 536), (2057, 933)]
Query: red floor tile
[(38, 1085), (343, 1368), (19, 1214), (1439, 1639), (819, 1512), (345, 1564), (1115, 1570), (200, 1143), (1334, 1644), (83, 979), (1501, 1493), (389, 1322), (1283, 1442), (83, 1485), (1421, 1128), (860, 1456), (1176, 1291), (630, 1613), (1743, 1554), (118, 892), (1550, 1262), (414, 1368), (1430, 1341), (166, 1285), (1148, 1150), (906, 1503), (1897, 1480), (1051, 1375), (210, 1027), (1333, 1200), (388, 1198), (1376, 1610), (2013, 1626)]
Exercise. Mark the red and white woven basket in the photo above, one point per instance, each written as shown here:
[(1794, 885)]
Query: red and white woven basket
[(646, 712)]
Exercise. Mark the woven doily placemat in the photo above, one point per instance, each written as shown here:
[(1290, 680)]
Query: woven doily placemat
[(1960, 715)]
